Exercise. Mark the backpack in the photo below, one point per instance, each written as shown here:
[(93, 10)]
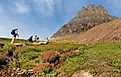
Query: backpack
[(13, 32)]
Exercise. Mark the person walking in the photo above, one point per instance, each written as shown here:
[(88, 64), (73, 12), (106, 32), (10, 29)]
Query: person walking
[(30, 39), (14, 33), (36, 38)]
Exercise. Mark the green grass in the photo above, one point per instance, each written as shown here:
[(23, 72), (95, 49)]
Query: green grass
[(8, 40), (30, 56), (99, 58)]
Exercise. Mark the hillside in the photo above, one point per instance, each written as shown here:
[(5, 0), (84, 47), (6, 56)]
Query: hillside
[(107, 32), (85, 19), (73, 60)]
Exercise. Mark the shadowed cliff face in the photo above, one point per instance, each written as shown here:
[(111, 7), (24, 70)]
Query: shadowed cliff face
[(85, 19)]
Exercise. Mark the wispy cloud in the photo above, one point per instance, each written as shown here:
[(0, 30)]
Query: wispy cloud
[(21, 7), (45, 6)]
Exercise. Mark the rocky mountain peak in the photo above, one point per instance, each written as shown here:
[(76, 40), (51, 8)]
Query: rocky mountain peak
[(87, 18), (92, 10)]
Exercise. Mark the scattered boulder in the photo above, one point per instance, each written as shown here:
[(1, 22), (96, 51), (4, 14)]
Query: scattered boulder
[(81, 73)]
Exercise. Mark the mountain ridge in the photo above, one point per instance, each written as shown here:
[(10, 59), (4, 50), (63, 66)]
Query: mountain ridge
[(85, 19), (106, 32)]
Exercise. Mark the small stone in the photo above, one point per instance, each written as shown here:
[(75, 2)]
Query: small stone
[(14, 69), (12, 74), (18, 69)]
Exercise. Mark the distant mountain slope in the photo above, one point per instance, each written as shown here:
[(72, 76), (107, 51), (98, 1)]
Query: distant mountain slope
[(110, 31), (107, 32), (86, 19)]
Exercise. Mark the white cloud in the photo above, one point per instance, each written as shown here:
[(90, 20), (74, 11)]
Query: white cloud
[(21, 7), (45, 6)]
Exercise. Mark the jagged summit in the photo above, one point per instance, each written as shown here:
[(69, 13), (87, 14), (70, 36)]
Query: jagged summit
[(85, 19), (92, 10)]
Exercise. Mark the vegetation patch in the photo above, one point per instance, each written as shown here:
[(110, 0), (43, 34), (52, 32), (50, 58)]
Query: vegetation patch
[(63, 59)]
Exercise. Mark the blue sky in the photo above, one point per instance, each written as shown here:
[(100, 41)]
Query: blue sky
[(44, 17)]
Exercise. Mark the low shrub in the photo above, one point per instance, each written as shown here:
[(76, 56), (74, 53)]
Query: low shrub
[(50, 56), (44, 67), (2, 60)]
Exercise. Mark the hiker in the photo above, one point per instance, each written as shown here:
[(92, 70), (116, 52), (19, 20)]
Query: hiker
[(36, 38), (47, 39), (14, 32), (30, 39)]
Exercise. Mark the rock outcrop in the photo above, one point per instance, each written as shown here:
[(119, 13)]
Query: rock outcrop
[(85, 19)]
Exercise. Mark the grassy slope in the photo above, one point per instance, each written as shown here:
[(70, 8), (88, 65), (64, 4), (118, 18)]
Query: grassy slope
[(99, 59), (31, 56), (8, 40)]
